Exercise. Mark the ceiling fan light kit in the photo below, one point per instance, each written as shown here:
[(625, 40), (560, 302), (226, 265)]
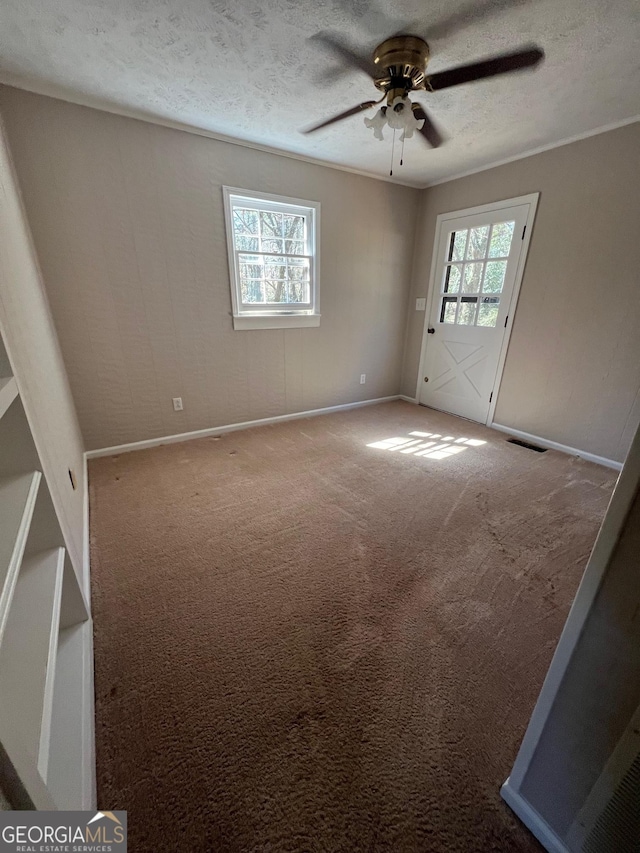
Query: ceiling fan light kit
[(399, 67)]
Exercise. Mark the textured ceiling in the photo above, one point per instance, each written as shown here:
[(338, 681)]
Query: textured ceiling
[(247, 69)]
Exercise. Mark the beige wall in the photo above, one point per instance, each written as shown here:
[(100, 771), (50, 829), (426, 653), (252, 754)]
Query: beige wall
[(32, 345), (573, 368), (128, 223)]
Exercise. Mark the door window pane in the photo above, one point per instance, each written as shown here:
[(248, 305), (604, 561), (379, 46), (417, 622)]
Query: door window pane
[(448, 310), (472, 278), (477, 245), (501, 236), (457, 243), (488, 312), (494, 277), (467, 311), (452, 278)]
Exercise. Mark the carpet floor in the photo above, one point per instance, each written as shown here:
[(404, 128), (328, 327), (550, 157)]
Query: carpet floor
[(313, 636)]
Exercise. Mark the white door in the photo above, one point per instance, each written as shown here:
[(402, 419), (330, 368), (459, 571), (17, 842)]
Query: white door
[(476, 262)]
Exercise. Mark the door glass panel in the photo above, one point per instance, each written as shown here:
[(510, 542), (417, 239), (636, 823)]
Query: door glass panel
[(494, 277), (472, 277), (448, 311), (488, 311), (457, 244), (467, 312), (501, 236), (477, 245), (452, 277)]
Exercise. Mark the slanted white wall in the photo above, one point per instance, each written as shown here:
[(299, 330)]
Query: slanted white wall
[(33, 349)]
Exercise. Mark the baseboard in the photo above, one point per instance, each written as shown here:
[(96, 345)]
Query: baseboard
[(554, 445), (532, 820), (407, 399), (203, 433)]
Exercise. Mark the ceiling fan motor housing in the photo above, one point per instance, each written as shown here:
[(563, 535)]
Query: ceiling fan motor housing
[(402, 62)]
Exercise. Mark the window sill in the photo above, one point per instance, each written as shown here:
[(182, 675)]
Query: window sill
[(275, 321)]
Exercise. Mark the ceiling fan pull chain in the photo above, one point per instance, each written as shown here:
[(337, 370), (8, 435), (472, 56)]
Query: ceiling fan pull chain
[(402, 150), (393, 145)]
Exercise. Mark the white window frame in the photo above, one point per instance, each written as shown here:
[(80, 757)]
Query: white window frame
[(268, 317)]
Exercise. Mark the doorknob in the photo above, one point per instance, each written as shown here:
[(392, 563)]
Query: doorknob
[(431, 330)]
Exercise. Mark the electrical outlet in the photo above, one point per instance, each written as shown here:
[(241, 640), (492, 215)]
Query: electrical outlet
[(421, 303), (363, 378), (177, 404)]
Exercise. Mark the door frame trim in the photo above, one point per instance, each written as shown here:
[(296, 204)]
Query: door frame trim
[(532, 200)]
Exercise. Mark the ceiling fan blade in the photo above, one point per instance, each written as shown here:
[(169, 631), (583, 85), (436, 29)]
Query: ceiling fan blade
[(469, 14), (507, 62), (429, 131), (353, 111), (343, 51)]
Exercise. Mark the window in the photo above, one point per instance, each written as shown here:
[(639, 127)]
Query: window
[(474, 273), (273, 260)]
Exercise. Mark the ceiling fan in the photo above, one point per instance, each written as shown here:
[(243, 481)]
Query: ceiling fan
[(399, 66)]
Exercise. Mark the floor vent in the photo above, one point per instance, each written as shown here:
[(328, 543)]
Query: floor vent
[(526, 444)]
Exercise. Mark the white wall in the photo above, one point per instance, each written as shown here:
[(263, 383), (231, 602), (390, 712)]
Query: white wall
[(573, 368), (592, 688), (127, 219), (32, 346)]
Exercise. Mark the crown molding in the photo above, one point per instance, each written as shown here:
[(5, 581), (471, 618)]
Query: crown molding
[(139, 115), (533, 151)]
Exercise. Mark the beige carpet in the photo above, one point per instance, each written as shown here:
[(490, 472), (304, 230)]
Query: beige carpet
[(307, 643)]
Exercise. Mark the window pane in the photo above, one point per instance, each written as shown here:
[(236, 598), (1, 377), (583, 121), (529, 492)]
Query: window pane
[(245, 221), (298, 270), (477, 245), (270, 224), (294, 247), (252, 291), (293, 227), (250, 271), (271, 245), (457, 243), (448, 310), (501, 237), (452, 278), (488, 312), (247, 243), (494, 277), (467, 312), (472, 278)]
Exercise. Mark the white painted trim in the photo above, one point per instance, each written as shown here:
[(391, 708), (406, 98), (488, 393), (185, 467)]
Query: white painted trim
[(86, 549), (532, 820), (244, 322), (139, 115), (605, 128), (203, 433), (605, 544), (530, 199), (408, 399), (554, 445), (89, 782), (8, 393)]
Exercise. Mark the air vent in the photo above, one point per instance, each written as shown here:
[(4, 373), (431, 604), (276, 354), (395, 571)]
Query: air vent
[(526, 444)]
